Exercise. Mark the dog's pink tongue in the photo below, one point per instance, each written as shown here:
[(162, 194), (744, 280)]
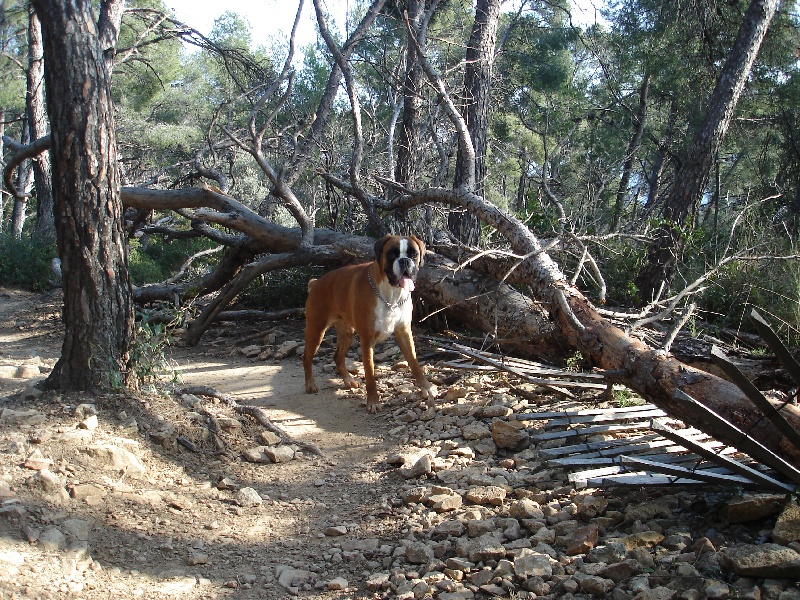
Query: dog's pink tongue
[(406, 283)]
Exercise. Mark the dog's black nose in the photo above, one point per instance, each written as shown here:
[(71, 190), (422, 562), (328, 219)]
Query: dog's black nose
[(405, 263)]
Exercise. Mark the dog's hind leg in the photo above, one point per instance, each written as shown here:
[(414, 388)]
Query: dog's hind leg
[(314, 335), (344, 337)]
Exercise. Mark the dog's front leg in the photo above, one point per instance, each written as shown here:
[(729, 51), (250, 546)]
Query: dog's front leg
[(373, 404), (405, 340)]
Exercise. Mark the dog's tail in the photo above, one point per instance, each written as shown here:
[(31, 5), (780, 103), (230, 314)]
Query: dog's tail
[(311, 284)]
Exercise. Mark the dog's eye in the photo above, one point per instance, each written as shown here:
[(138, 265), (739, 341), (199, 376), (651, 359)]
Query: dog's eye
[(412, 254)]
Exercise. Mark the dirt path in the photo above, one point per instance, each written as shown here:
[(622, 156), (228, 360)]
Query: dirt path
[(174, 529), (150, 495)]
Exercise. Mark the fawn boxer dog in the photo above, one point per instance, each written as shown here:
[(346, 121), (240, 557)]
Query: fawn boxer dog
[(373, 300)]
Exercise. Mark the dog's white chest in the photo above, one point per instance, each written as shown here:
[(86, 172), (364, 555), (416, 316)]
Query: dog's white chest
[(388, 319)]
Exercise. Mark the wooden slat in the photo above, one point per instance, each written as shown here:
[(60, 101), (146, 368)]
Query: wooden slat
[(544, 383), (554, 414), (584, 431), (712, 455), (773, 341), (702, 475), (604, 418), (742, 441), (673, 455), (612, 447), (640, 479), (764, 405)]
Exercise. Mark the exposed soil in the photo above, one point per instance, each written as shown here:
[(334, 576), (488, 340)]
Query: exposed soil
[(150, 495), (146, 531)]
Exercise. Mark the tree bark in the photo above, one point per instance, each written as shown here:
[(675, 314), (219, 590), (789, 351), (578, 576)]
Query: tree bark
[(22, 185), (98, 309), (630, 155), (475, 112), (407, 141), (44, 229), (692, 178)]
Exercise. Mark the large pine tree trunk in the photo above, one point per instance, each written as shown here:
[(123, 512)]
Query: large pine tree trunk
[(98, 311), (667, 247)]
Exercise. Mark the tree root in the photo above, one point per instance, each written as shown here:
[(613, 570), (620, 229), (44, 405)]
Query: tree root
[(259, 414)]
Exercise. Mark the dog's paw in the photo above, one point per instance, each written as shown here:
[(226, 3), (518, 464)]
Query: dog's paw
[(373, 408), (311, 387), (429, 392), (351, 383)]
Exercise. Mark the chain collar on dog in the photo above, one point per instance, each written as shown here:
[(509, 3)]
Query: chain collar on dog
[(388, 304)]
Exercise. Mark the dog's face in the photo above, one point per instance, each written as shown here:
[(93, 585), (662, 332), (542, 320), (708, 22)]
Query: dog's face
[(400, 258)]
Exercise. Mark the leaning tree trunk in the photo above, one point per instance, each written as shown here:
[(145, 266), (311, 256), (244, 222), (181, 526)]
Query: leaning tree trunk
[(475, 112), (98, 310), (654, 374), (667, 248), (44, 230)]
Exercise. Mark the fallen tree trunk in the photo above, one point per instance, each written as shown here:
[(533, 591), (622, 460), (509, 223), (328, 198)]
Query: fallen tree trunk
[(522, 324), (654, 374)]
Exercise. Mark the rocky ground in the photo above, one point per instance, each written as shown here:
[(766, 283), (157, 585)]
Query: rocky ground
[(179, 495)]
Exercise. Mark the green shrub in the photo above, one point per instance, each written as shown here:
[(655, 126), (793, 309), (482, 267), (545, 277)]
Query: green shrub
[(282, 289), (25, 263), (160, 259)]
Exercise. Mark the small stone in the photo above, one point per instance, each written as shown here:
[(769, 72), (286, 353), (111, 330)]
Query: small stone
[(36, 461), (526, 509), (475, 431), (486, 494), (289, 577), (510, 436), (455, 392), (532, 564), (418, 553), (446, 529), (753, 507), (716, 590), (646, 539), (377, 581), (621, 571), (787, 527), (89, 423), (422, 466), (765, 560), (287, 349), (279, 454), (416, 494), (117, 458), (52, 540), (594, 585), (77, 528), (336, 584), (656, 593), (486, 547), (582, 540), (256, 455), (83, 491), (445, 502), (248, 497), (336, 530), (250, 351), (269, 438)]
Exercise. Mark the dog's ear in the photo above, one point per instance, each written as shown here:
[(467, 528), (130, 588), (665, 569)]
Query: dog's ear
[(421, 246), (379, 246)]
